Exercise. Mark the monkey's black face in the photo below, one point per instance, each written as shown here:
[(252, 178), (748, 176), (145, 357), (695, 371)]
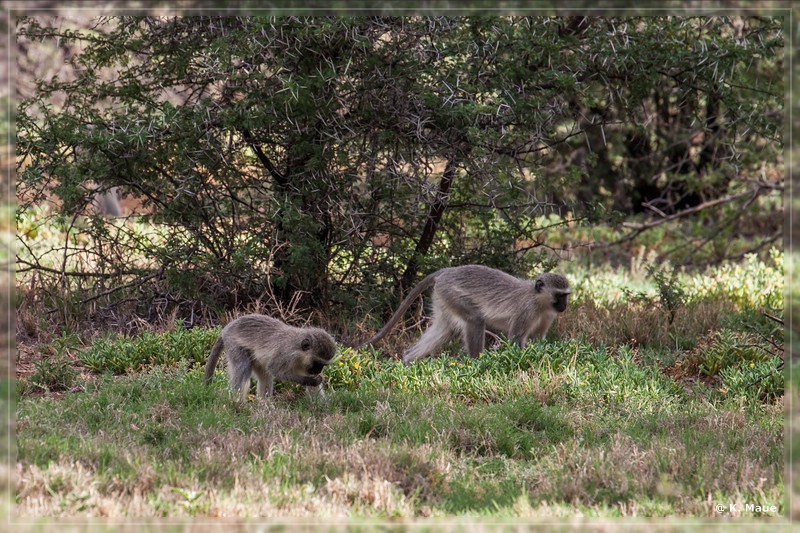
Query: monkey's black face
[(319, 349), (560, 303), (316, 367)]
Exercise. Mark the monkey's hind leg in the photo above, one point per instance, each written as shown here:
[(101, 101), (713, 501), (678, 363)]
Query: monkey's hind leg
[(474, 335), (240, 368), (433, 339), (471, 323)]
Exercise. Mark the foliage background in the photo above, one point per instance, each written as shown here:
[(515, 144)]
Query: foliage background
[(325, 162)]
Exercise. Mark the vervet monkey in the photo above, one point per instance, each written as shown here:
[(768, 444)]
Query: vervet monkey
[(271, 349), (107, 202), (470, 299)]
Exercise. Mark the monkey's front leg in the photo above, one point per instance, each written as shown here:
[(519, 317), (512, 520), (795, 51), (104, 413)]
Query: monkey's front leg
[(520, 333), (266, 383), (316, 392), (521, 340)]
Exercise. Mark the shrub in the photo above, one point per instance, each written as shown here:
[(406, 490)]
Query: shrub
[(671, 294), (756, 380), (54, 373), (119, 354)]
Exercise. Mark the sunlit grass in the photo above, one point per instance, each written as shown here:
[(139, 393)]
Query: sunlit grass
[(622, 410), (751, 282), (582, 434)]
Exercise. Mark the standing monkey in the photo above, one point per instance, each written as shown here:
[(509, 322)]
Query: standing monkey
[(271, 349), (472, 298)]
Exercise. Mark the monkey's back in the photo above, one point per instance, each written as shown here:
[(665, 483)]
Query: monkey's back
[(487, 284), (499, 295), (274, 344), (254, 325), (477, 277)]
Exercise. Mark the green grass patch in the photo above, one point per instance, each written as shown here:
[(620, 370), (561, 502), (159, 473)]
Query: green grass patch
[(663, 401), (120, 354), (560, 425)]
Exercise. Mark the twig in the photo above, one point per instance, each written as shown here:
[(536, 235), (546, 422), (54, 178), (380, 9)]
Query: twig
[(776, 319), (125, 286), (37, 267), (639, 228)]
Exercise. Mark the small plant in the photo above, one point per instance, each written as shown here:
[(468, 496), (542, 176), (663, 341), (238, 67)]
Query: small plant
[(119, 354), (54, 374), (671, 294), (193, 502), (66, 343), (722, 349), (754, 380)]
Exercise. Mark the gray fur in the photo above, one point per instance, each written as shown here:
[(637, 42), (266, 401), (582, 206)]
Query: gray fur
[(469, 299), (107, 202), (268, 348)]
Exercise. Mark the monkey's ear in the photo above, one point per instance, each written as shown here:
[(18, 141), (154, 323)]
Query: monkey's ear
[(306, 344), (539, 285)]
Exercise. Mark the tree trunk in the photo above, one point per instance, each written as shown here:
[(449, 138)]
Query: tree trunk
[(431, 224)]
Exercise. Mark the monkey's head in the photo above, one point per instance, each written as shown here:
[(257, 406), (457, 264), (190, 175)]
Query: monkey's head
[(556, 286), (317, 348)]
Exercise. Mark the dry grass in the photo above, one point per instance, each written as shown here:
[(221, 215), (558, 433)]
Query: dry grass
[(271, 473), (664, 469), (370, 481), (639, 324)]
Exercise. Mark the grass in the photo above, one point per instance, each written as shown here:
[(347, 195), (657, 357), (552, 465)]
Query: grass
[(562, 425), (654, 396)]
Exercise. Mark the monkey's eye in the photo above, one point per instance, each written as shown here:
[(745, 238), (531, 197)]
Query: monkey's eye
[(305, 345)]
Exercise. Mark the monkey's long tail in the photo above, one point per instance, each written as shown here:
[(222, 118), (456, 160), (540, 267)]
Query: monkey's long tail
[(427, 282), (212, 360)]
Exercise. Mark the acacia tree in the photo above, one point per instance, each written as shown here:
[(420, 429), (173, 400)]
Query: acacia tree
[(325, 156)]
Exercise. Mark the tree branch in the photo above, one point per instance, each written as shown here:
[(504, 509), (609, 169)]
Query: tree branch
[(431, 223), (133, 283), (279, 178), (639, 228)]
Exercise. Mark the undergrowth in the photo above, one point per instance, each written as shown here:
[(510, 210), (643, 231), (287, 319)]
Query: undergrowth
[(662, 402), (559, 425)]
